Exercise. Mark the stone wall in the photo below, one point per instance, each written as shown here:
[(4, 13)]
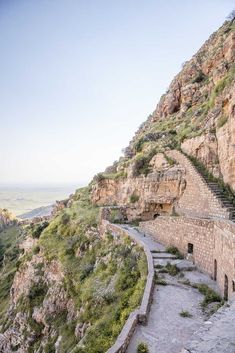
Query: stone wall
[(140, 315), (197, 199), (212, 240)]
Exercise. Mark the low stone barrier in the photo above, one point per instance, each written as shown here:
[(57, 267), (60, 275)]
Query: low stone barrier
[(139, 315), (213, 243)]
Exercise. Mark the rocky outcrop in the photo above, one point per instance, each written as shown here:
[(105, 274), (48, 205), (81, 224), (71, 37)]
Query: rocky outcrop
[(205, 149), (145, 197)]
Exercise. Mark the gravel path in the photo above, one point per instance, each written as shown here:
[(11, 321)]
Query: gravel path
[(167, 331)]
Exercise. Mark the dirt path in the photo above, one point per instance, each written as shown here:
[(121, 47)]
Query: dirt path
[(167, 331)]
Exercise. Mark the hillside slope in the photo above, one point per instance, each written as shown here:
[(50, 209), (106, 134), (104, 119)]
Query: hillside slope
[(196, 115), (74, 289)]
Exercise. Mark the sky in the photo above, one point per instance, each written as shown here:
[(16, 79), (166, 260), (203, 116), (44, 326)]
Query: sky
[(79, 76)]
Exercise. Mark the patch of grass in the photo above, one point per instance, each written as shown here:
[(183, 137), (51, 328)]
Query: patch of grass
[(221, 84), (114, 176), (222, 121), (173, 270), (174, 251), (185, 313), (134, 198), (141, 163), (210, 295), (142, 348), (185, 282), (161, 282), (170, 161)]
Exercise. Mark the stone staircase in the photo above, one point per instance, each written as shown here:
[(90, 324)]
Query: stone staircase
[(211, 189), (162, 258), (225, 202)]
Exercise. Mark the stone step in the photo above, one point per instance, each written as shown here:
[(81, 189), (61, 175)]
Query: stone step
[(183, 265), (156, 251), (163, 256)]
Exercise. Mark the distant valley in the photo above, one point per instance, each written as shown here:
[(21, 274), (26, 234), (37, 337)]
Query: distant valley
[(32, 201)]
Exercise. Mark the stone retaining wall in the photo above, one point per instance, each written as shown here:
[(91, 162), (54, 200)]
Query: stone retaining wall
[(140, 315), (197, 200), (213, 243)]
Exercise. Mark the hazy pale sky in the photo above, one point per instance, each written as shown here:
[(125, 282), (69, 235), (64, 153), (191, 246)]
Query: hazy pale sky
[(79, 76)]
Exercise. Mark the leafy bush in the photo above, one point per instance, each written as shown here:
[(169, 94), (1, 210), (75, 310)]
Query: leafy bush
[(139, 144), (210, 295), (174, 251), (37, 293), (199, 77), (185, 313), (173, 270), (98, 177), (36, 249), (38, 228), (141, 165), (142, 348), (134, 198)]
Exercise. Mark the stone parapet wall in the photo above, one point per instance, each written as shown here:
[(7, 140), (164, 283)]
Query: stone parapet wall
[(140, 315), (198, 199), (212, 240)]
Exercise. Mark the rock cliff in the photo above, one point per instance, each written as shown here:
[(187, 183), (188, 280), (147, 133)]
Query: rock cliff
[(64, 288), (196, 115)]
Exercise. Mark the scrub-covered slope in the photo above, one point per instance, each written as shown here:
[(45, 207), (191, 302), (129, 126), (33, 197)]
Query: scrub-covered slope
[(73, 289)]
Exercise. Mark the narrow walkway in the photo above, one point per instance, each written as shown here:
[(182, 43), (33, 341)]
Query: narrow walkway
[(167, 331)]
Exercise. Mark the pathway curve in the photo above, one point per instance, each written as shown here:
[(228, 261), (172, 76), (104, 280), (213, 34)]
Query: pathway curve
[(166, 331)]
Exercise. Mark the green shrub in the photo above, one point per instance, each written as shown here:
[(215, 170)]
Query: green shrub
[(142, 348), (185, 313), (169, 160), (37, 293), (199, 77), (98, 177), (210, 295), (36, 249), (174, 251), (222, 121), (139, 145), (173, 270), (38, 228), (134, 198)]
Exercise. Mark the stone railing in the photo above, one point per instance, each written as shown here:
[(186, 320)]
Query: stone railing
[(139, 316)]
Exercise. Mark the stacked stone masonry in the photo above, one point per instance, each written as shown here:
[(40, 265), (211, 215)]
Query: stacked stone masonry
[(198, 199), (213, 243)]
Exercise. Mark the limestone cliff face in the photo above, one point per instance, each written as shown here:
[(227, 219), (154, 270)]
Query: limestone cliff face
[(147, 196), (196, 115)]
